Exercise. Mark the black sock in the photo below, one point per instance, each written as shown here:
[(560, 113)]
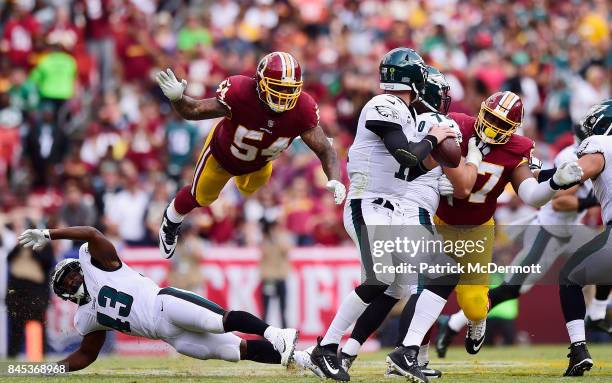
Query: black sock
[(406, 317), (503, 293), (602, 292), (244, 322), (372, 317), (368, 291), (572, 302), (261, 351), (442, 286)]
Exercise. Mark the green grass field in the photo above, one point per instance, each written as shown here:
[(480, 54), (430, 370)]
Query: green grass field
[(514, 364)]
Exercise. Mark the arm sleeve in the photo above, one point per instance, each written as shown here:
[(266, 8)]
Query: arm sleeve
[(408, 154), (535, 194)]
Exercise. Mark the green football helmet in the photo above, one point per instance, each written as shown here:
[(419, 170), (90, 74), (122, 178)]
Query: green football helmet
[(597, 121), (435, 94), (403, 69)]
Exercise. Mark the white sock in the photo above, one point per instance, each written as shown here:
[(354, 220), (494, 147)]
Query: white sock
[(457, 321), (597, 309), (428, 308), (174, 215), (575, 329), (270, 333), (351, 347), (423, 357), (350, 309)]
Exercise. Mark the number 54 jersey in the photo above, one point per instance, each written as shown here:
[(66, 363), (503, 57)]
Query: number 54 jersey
[(121, 300), (253, 134), (494, 172)]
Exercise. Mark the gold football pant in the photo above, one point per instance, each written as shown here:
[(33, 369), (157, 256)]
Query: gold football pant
[(473, 288)]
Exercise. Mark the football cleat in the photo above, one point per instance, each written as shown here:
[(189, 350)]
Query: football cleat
[(598, 325), (284, 342), (475, 336), (346, 360), (579, 360), (302, 360), (403, 360), (168, 236), (429, 373), (326, 359), (445, 336)]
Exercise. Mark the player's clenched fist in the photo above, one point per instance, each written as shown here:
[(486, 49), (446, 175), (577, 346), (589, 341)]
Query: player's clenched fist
[(338, 189), (172, 88), (567, 175)]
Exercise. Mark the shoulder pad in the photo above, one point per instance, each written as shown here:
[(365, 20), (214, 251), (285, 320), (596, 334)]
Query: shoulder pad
[(591, 145)]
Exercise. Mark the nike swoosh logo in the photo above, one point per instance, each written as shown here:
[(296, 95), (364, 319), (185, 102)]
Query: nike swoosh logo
[(332, 370), (479, 345), (409, 364), (165, 248)]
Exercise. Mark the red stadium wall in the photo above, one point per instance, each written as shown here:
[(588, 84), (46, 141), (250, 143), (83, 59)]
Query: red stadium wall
[(320, 278)]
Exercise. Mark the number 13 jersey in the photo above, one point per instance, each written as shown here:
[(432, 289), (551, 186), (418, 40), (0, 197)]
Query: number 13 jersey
[(494, 172), (253, 134), (121, 300)]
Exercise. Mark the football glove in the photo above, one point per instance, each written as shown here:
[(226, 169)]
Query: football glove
[(535, 163), (566, 176), (172, 88), (445, 187), (35, 238), (338, 189), (476, 150)]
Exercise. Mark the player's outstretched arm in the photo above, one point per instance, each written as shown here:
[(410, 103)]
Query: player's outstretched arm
[(318, 142), (87, 352), (189, 108), (100, 248), (535, 193)]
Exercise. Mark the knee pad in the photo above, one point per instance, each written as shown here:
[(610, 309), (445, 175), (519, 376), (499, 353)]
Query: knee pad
[(213, 323), (367, 292), (473, 300), (398, 291), (228, 352)]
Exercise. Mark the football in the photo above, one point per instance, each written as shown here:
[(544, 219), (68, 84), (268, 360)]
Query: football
[(447, 153)]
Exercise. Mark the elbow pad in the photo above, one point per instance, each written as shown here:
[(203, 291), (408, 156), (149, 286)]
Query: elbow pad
[(535, 194)]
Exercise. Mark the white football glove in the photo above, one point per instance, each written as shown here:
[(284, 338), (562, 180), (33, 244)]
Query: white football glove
[(567, 175), (338, 189), (535, 163), (35, 238), (445, 187), (172, 88), (476, 150)]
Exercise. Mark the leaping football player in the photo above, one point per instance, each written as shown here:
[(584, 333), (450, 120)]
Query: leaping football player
[(505, 159), (261, 116), (112, 296), (590, 264)]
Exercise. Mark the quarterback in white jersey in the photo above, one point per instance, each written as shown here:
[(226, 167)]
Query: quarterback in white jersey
[(592, 263), (112, 296)]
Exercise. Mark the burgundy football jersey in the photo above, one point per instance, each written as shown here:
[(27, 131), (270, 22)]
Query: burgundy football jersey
[(253, 134), (494, 172)]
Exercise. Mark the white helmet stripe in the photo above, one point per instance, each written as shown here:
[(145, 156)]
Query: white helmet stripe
[(283, 63)]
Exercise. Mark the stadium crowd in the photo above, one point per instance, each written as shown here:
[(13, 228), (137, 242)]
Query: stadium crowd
[(83, 126)]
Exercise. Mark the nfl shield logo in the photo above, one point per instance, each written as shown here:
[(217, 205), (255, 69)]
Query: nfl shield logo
[(270, 124)]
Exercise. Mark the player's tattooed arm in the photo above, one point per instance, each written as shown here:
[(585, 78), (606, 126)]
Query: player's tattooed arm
[(87, 352), (318, 142), (100, 248), (192, 109)]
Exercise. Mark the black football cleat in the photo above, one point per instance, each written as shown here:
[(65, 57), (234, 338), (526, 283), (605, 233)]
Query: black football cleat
[(168, 236), (598, 325), (346, 360), (475, 336), (445, 336), (430, 373), (326, 359), (579, 360), (404, 361)]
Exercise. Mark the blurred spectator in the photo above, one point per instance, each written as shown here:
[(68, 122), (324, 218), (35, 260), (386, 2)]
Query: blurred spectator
[(78, 209), (193, 34), (182, 140), (299, 211), (588, 92), (20, 32), (23, 92), (274, 267), (27, 294), (185, 272), (125, 211), (155, 210)]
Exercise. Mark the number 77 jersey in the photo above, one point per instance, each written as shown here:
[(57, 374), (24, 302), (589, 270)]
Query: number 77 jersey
[(494, 173)]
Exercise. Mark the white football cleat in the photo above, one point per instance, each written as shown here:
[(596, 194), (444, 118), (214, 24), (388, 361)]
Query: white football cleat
[(168, 236), (475, 336), (302, 360), (284, 342)]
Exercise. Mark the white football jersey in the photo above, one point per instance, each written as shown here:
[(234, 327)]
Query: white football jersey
[(121, 300), (603, 182), (373, 171), (559, 222)]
